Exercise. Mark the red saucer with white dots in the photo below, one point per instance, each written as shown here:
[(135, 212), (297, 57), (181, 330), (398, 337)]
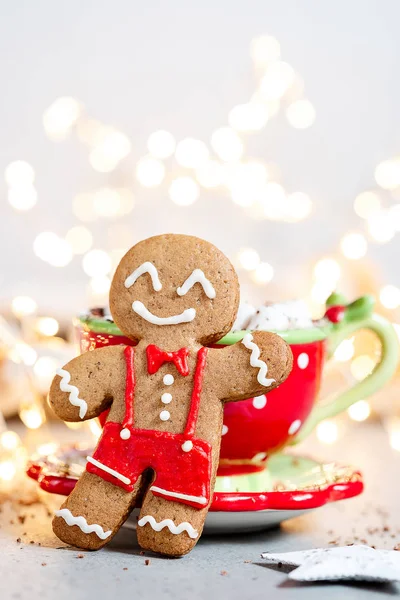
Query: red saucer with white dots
[(288, 487)]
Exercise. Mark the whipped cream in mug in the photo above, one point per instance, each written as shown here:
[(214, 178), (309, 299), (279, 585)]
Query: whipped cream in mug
[(274, 317)]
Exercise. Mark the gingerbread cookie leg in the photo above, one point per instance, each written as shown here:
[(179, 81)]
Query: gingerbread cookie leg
[(168, 527), (93, 512)]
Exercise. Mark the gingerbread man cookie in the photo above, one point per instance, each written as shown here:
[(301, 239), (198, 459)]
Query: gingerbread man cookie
[(173, 295)]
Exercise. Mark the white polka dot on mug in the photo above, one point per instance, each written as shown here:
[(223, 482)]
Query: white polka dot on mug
[(260, 401), (302, 360)]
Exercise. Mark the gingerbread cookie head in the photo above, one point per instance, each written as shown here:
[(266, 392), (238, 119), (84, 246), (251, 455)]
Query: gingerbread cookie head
[(174, 288)]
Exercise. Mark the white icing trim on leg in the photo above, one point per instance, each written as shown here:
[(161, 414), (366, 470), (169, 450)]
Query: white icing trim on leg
[(115, 474), (175, 529), (73, 391), (81, 522), (256, 362), (197, 499)]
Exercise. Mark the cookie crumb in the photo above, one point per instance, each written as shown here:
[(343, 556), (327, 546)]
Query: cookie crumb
[(224, 572), (125, 569), (247, 561), (141, 553), (147, 561), (397, 547), (80, 556), (31, 542), (21, 519), (44, 564), (19, 540)]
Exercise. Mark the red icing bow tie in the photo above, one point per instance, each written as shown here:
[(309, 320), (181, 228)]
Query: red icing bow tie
[(157, 357)]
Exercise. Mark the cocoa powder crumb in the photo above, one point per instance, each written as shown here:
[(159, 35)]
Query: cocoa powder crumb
[(21, 519), (147, 561), (19, 540), (247, 561), (125, 569)]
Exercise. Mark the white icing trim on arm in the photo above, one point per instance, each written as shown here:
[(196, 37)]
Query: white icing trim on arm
[(146, 267), (197, 499), (197, 277), (256, 362), (185, 317), (81, 522), (115, 474), (73, 392), (175, 529)]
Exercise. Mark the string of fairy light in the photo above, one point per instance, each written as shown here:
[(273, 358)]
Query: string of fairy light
[(187, 169)]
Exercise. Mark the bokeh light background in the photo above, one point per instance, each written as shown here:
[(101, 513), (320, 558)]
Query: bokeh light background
[(269, 128)]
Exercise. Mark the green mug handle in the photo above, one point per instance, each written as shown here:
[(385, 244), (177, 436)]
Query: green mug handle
[(357, 315)]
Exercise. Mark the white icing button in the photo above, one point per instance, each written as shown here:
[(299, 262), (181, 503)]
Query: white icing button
[(295, 426), (125, 434), (302, 360), (187, 446), (224, 429), (166, 398), (164, 415), (168, 379), (260, 401)]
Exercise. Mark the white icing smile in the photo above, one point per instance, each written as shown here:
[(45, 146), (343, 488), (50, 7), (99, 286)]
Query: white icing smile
[(185, 317)]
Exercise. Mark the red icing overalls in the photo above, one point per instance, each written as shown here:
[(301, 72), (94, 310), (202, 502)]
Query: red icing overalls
[(181, 462)]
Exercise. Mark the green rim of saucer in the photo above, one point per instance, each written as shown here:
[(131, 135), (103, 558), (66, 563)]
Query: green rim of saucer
[(291, 336), (283, 472)]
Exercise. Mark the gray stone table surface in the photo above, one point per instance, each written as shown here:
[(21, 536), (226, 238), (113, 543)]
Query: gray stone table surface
[(219, 567)]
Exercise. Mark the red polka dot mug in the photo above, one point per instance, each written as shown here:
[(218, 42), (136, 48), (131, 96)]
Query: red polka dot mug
[(257, 427)]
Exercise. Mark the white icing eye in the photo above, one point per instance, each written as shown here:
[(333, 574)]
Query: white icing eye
[(146, 267), (197, 277)]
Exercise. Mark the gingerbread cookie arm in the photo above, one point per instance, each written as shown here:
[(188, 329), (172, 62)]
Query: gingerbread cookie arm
[(87, 385), (259, 363)]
